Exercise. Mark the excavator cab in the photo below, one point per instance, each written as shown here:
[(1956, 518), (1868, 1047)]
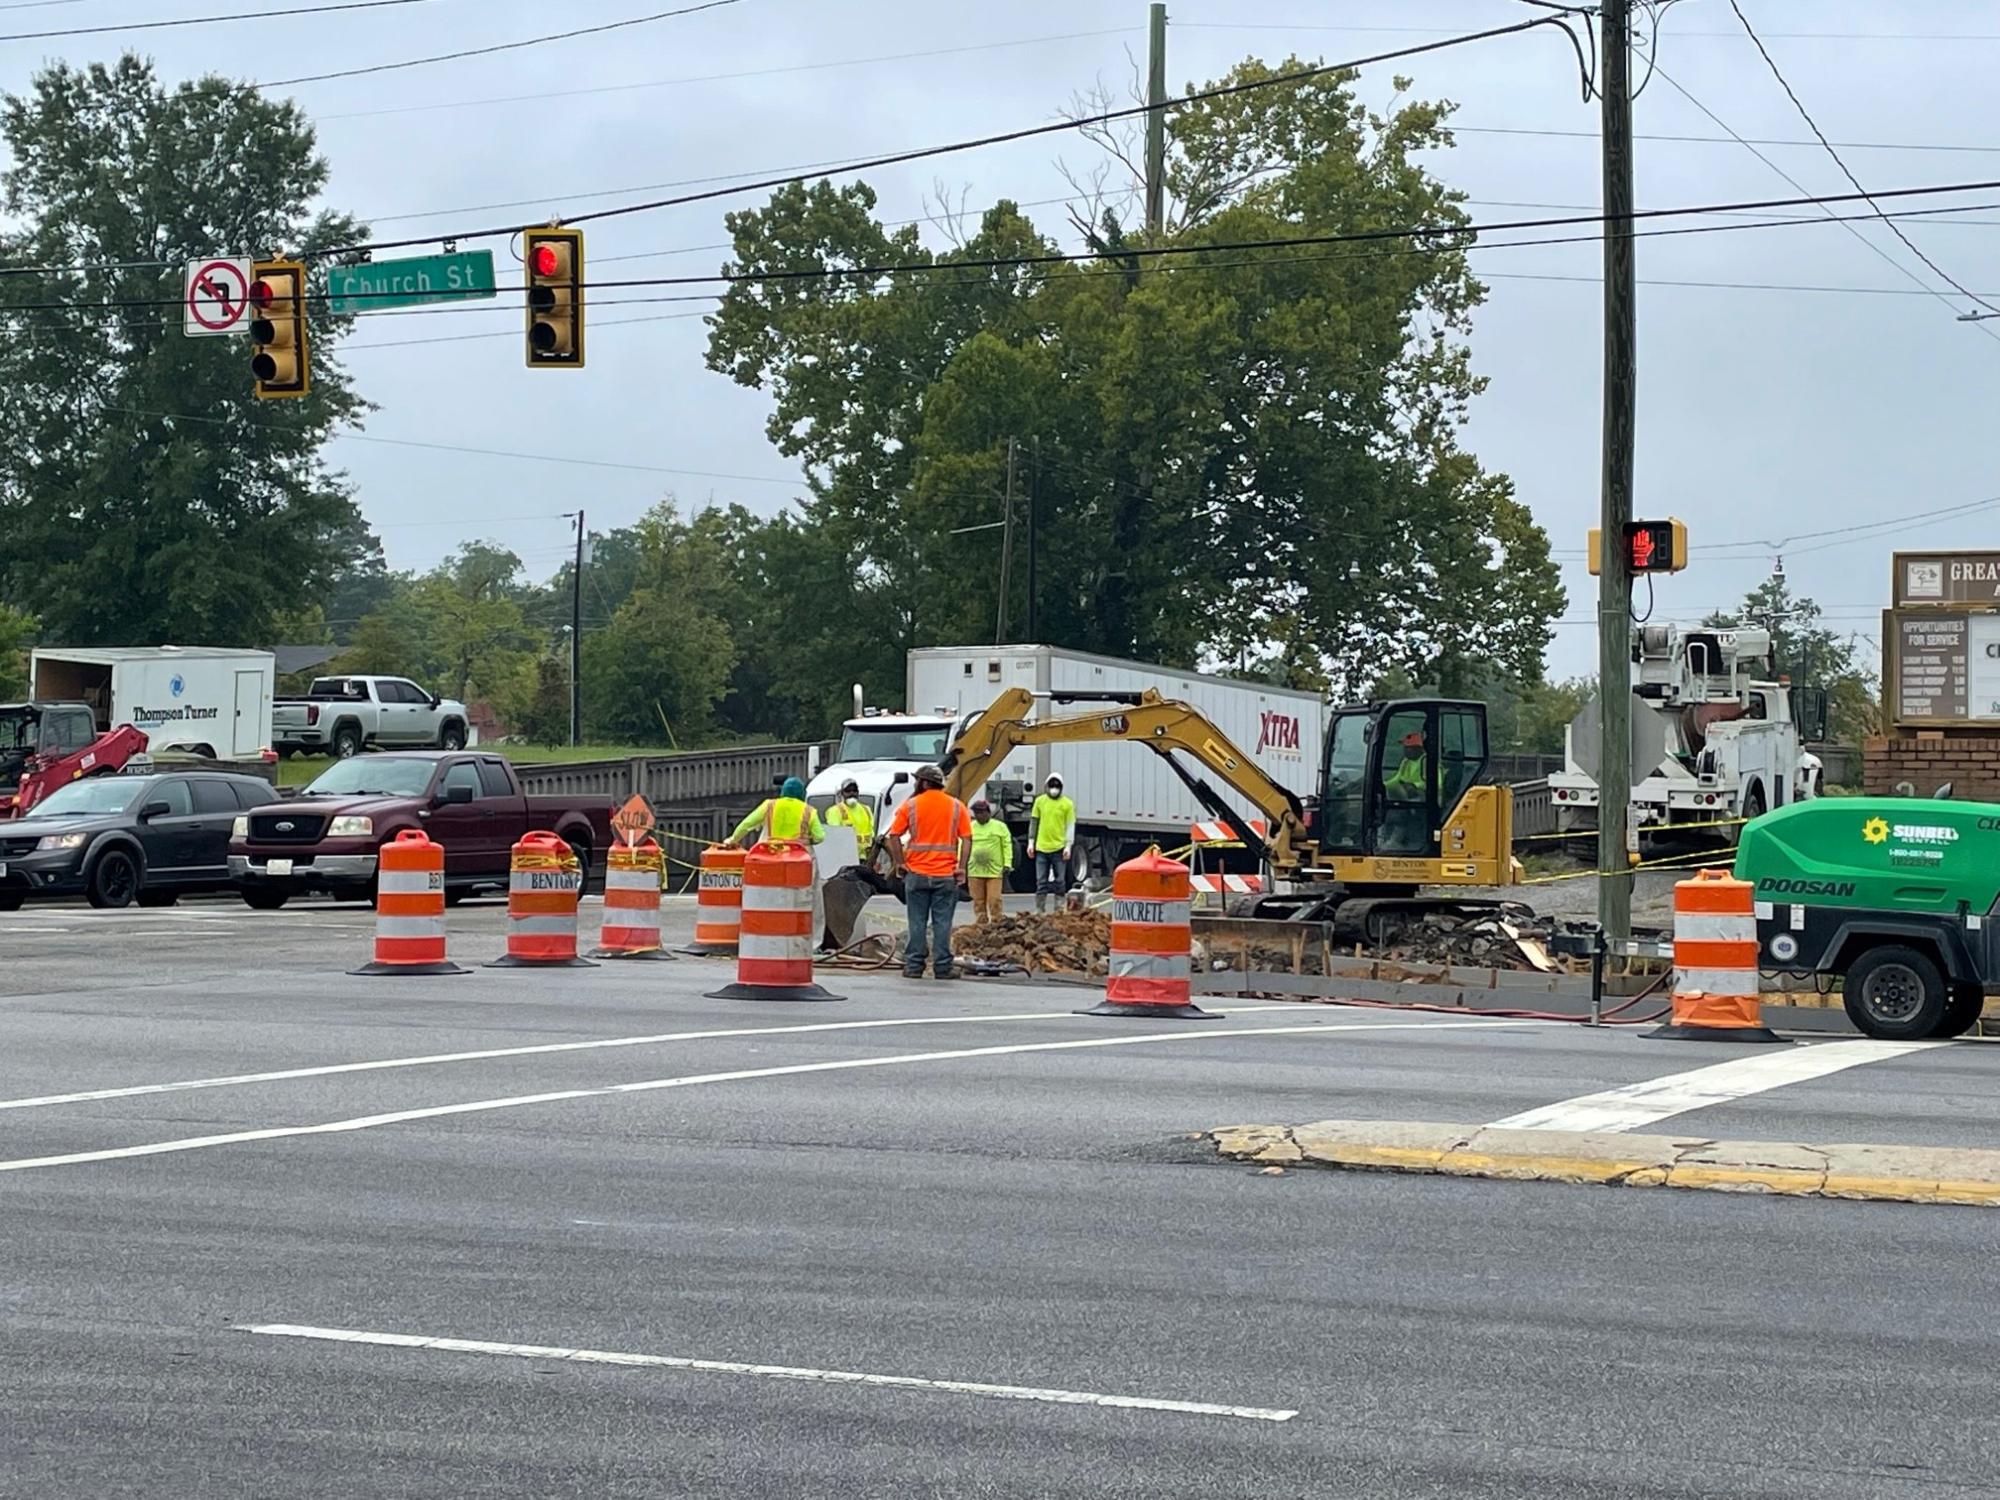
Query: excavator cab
[(1394, 773)]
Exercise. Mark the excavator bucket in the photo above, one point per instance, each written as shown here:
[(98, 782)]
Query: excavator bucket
[(843, 896)]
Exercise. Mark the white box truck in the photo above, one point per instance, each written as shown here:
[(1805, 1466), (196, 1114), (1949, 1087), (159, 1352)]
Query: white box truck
[(203, 700), (1126, 797)]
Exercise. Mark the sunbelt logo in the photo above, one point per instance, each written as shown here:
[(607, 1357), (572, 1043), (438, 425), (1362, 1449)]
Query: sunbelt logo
[(1880, 831)]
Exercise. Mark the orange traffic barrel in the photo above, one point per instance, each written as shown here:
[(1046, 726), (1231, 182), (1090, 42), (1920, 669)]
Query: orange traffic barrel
[(1715, 962), (1152, 942), (633, 875), (774, 959), (544, 883), (718, 901), (409, 908)]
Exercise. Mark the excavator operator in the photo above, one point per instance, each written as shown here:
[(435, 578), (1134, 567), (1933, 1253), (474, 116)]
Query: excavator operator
[(1403, 817)]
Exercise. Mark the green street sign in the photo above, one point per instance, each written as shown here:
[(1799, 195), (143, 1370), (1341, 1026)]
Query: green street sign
[(464, 277)]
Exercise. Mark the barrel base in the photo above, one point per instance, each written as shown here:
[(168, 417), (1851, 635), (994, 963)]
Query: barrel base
[(1148, 1012), (651, 955), (1682, 1033), (509, 961), (447, 967), (707, 950), (772, 992)]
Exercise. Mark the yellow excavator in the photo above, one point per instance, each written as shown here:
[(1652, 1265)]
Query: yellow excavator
[(1399, 804)]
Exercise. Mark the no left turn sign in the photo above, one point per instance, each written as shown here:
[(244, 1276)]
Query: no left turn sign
[(217, 299)]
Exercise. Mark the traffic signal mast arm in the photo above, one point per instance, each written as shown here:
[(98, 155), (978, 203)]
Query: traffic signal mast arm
[(1162, 725)]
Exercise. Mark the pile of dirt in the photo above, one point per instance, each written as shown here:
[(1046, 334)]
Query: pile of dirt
[(1064, 942), (1515, 939)]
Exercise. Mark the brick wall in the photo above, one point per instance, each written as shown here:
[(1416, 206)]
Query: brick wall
[(1972, 766)]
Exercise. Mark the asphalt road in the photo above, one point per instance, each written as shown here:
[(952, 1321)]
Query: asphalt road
[(942, 1183)]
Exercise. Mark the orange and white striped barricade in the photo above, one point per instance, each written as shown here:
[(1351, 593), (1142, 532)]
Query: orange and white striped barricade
[(1215, 834), (774, 958), (718, 902), (409, 908), (1152, 943), (1715, 962), (544, 883), (633, 876)]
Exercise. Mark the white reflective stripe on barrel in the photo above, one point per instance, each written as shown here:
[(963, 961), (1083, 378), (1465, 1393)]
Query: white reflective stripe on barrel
[(1716, 981), (754, 945), (410, 927), (1710, 927), (1150, 966), (542, 880), (409, 882), (1150, 913), (542, 926), (617, 879), (777, 898)]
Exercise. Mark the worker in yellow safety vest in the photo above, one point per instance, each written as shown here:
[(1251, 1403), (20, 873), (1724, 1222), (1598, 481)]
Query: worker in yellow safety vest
[(851, 812), (785, 816), (1403, 821)]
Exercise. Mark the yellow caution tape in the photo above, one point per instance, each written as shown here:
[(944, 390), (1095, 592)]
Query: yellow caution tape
[(543, 862), (1591, 833)]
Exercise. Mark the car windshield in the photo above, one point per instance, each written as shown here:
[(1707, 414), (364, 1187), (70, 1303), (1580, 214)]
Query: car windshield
[(924, 742), (95, 794), (373, 775)]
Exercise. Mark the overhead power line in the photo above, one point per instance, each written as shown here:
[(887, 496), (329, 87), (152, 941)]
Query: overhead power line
[(977, 142), (532, 41), (1723, 140), (241, 15), (1812, 124)]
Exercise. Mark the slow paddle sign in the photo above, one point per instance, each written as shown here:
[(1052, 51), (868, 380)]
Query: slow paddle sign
[(633, 821)]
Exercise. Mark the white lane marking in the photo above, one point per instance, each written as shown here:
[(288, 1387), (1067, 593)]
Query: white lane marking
[(770, 1372), (739, 1075), (88, 1096), (1638, 1104)]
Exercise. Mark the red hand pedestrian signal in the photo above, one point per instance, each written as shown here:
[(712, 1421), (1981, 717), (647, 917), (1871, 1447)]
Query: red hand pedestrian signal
[(1655, 546), (1642, 551)]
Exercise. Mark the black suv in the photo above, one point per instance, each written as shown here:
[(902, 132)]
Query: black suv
[(115, 840)]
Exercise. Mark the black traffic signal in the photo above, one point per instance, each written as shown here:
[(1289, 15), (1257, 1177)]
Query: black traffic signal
[(1656, 546), (279, 363), (554, 259)]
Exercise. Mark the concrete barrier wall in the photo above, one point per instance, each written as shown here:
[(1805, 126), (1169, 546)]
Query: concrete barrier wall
[(740, 776)]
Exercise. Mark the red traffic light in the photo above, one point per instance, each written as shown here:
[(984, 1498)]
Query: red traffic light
[(262, 293), (544, 261)]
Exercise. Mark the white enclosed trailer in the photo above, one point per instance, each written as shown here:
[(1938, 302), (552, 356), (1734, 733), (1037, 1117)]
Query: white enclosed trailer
[(206, 700)]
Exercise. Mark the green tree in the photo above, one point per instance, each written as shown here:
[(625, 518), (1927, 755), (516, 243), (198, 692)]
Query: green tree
[(544, 718), (17, 634), (1249, 456), (144, 495)]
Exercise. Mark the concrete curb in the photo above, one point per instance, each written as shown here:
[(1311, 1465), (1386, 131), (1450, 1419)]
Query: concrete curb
[(1887, 1174)]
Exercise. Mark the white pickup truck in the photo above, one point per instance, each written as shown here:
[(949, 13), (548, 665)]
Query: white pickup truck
[(343, 716)]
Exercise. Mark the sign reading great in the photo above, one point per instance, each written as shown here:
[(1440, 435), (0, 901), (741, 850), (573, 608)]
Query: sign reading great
[(1945, 578), (466, 276)]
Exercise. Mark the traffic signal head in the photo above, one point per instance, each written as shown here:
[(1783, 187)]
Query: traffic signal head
[(554, 261), (279, 364)]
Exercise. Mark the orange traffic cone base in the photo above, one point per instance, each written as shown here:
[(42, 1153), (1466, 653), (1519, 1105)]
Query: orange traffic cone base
[(699, 949), (1145, 1012), (447, 967), (514, 961), (1680, 1032), (651, 955), (739, 991)]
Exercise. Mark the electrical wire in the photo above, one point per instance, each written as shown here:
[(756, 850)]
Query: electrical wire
[(975, 143), (242, 15), (1722, 140), (533, 41), (1894, 228)]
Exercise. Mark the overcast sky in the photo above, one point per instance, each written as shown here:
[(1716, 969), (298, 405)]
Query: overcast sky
[(1823, 390)]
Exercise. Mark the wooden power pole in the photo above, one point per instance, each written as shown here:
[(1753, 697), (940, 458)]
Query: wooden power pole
[(1156, 122), (1614, 591)]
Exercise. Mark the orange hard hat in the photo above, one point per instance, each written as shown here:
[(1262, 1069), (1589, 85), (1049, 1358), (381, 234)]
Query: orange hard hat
[(1414, 740)]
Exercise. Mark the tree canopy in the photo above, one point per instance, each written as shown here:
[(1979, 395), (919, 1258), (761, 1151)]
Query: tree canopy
[(1246, 457)]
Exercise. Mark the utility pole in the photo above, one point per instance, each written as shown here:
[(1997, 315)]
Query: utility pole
[(1034, 540), (1006, 550), (1614, 590), (1156, 121), (576, 638)]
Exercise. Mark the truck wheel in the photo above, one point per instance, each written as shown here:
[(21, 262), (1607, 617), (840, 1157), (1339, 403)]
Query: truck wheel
[(114, 880), (257, 898), (452, 736), (347, 742), (1895, 993), (158, 898), (1962, 1011)]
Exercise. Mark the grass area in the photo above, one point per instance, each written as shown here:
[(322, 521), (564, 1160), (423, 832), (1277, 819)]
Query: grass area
[(297, 770)]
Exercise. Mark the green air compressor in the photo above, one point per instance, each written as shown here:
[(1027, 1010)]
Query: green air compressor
[(1897, 898)]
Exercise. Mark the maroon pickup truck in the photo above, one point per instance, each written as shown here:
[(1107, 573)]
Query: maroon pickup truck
[(327, 838)]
